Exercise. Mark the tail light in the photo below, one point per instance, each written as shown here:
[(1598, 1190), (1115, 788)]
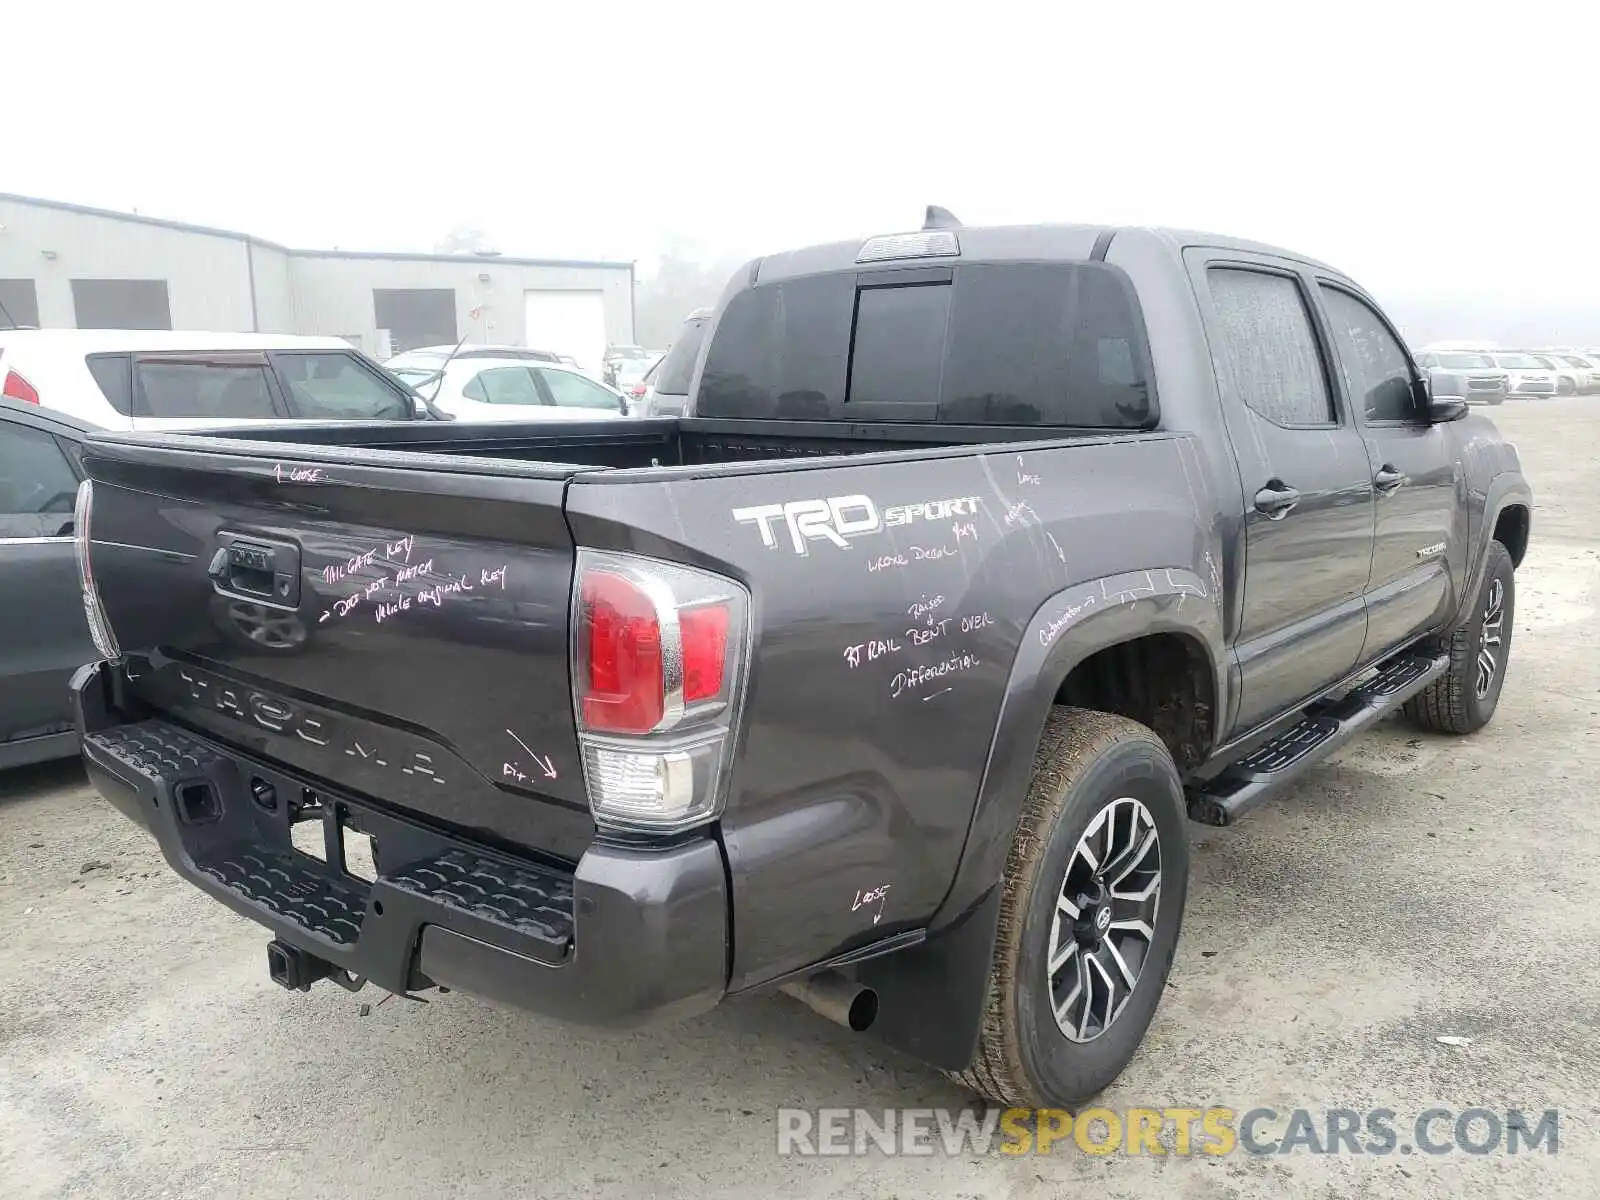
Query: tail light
[(637, 390), (99, 627), (660, 656), (18, 388)]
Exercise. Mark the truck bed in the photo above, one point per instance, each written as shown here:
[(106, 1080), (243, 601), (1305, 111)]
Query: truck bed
[(663, 442)]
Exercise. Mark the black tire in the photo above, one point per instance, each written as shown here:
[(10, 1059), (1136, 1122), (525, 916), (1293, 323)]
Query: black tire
[(1567, 388), (1087, 762), (1497, 401), (1457, 702)]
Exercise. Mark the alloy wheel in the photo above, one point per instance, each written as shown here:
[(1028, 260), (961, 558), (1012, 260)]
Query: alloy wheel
[(1105, 919), (1491, 644)]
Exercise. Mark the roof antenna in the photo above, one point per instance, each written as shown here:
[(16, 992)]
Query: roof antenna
[(940, 218)]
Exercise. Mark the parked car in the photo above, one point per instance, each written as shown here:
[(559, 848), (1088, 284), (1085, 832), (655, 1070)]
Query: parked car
[(1469, 376), (888, 677), (43, 637), (160, 379), (667, 387), (1575, 374), (477, 389), (615, 356), (1526, 374), (631, 376)]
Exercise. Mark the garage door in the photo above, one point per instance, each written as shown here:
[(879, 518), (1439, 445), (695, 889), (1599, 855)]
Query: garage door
[(568, 323)]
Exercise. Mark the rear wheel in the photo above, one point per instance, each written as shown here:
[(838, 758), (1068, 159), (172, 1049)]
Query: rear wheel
[(1089, 918), (1464, 698), (1566, 387)]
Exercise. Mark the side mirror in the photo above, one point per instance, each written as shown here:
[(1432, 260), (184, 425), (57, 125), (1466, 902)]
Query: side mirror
[(1450, 408)]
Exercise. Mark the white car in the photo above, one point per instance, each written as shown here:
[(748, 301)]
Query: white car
[(1528, 376), (481, 389), (165, 379), (632, 378), (412, 364), (1576, 374)]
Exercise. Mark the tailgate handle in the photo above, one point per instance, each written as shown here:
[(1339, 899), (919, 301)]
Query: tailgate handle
[(257, 570)]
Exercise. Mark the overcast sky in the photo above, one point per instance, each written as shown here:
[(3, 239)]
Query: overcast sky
[(1426, 150)]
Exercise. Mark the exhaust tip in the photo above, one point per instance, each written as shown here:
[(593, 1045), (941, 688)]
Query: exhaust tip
[(863, 1010), (841, 1000)]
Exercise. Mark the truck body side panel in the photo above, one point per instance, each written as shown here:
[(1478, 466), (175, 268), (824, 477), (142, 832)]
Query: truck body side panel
[(889, 610)]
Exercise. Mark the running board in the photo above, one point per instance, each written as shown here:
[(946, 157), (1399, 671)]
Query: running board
[(1271, 767)]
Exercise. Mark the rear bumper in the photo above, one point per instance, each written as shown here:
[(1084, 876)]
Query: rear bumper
[(628, 937)]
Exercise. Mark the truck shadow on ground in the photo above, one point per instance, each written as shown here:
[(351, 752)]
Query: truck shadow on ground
[(39, 781)]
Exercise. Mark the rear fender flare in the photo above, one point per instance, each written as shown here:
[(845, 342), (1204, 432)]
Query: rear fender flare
[(931, 995), (1505, 491)]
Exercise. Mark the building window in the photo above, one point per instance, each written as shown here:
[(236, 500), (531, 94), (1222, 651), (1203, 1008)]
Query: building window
[(121, 304), (416, 316), (19, 304)]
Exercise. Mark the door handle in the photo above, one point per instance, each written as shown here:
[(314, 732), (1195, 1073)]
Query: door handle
[(1276, 499), (1387, 478)]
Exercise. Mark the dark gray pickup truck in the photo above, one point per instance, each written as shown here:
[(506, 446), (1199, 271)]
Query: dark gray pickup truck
[(889, 677)]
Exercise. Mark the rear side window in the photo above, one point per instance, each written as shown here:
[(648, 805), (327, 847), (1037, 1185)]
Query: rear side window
[(674, 371), (335, 387), (233, 390), (503, 385), (574, 391), (1019, 344), (114, 374), (1268, 346)]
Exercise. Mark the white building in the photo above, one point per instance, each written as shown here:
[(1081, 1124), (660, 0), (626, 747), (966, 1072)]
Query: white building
[(64, 265)]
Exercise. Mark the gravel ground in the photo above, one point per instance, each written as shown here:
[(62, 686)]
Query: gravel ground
[(1414, 887)]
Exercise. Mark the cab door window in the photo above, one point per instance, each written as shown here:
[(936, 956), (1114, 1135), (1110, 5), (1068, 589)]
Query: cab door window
[(1375, 365), (37, 484)]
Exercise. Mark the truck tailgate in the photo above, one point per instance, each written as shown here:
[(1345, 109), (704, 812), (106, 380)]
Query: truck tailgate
[(393, 624)]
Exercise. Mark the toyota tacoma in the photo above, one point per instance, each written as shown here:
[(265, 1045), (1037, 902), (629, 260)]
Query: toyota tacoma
[(891, 676)]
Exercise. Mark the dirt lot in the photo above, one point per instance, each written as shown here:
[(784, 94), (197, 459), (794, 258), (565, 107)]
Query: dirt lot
[(1415, 887)]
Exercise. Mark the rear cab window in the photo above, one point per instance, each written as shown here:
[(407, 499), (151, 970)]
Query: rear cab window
[(995, 344)]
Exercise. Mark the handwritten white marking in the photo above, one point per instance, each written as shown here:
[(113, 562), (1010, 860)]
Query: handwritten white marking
[(298, 474), (884, 561), (1023, 478), (411, 572), (935, 695), (870, 651), (1019, 512), (498, 575), (393, 608), (876, 896), (334, 572), (1057, 546), (543, 762), (922, 609), (402, 548), (436, 594), (965, 529), (973, 622), (1053, 630), (913, 677)]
